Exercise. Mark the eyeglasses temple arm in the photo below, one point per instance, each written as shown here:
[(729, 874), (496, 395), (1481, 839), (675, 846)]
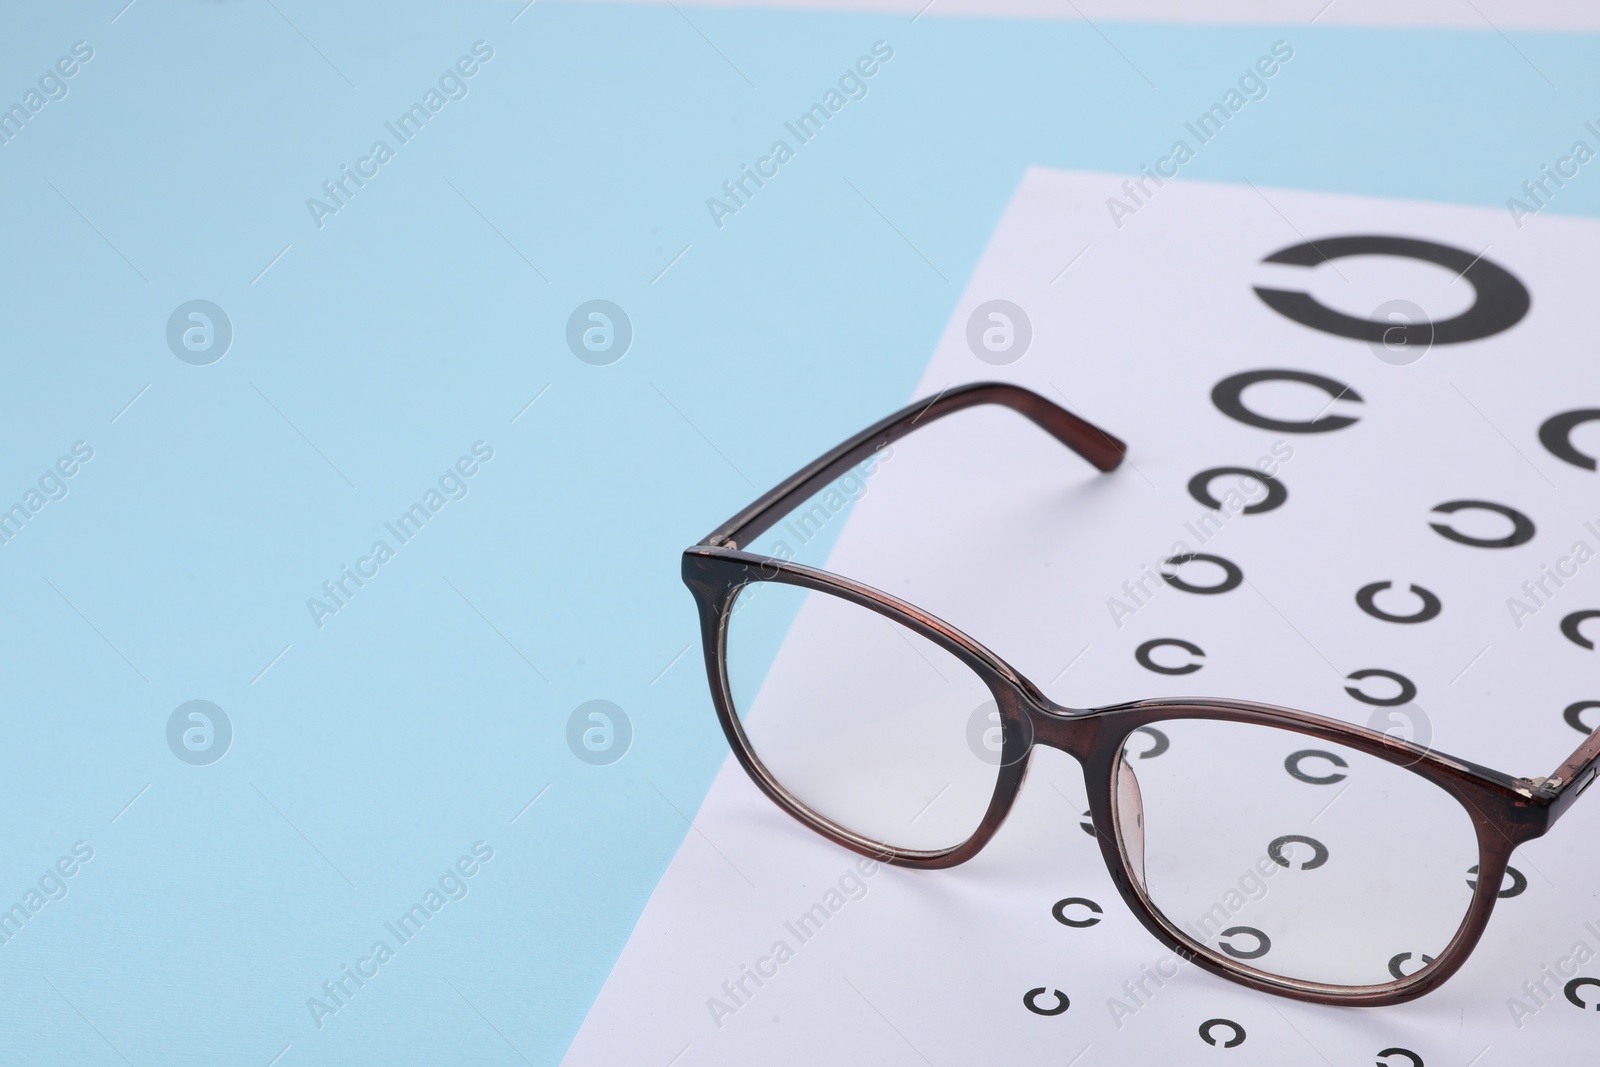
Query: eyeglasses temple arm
[(1573, 777), (1101, 449)]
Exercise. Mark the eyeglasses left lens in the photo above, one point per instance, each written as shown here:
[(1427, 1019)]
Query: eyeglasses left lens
[(1296, 856), (867, 723)]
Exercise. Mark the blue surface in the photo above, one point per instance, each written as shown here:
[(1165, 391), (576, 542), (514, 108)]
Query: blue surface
[(427, 713)]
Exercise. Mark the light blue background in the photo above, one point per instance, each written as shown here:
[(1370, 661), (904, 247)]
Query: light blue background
[(379, 748)]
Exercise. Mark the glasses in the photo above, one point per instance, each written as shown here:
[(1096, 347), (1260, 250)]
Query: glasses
[(890, 732)]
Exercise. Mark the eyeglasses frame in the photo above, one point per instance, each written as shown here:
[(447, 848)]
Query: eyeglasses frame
[(1505, 810)]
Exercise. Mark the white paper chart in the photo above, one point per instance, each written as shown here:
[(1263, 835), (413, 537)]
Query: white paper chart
[(1428, 567)]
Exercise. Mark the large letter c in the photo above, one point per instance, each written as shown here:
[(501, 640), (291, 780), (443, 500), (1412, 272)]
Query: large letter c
[(1501, 300)]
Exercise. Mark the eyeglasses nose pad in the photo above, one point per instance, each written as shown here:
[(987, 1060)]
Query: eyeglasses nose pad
[(1130, 819)]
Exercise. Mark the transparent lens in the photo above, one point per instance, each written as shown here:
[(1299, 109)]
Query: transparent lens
[(864, 721), (1297, 856)]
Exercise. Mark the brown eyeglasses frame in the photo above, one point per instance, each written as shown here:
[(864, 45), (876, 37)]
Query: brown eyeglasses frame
[(1505, 810)]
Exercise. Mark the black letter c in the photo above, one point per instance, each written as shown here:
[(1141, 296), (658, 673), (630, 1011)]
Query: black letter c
[(1400, 958), (1408, 688), (1142, 654), (1030, 1000), (1574, 713), (1292, 765), (1365, 598), (1232, 576), (1228, 396), (1319, 851), (1519, 882), (1277, 493), (1570, 624), (1501, 300), (1556, 436), (1211, 1024), (1572, 987), (1521, 526), (1263, 943), (1060, 912)]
